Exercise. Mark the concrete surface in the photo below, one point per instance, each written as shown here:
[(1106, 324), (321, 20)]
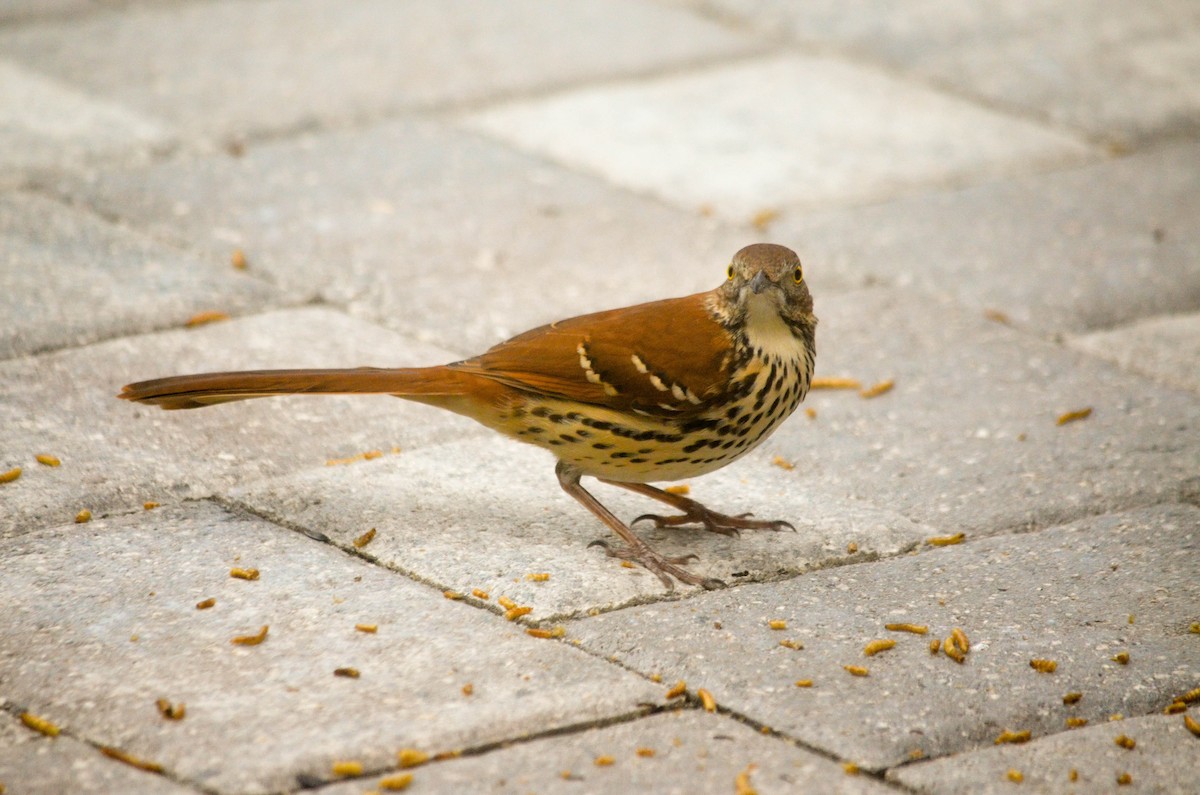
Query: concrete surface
[(997, 210)]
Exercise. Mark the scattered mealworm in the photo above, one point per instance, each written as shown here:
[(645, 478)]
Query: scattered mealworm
[(1195, 628), (804, 683), (952, 651), (395, 783), (645, 752), (960, 640), (1015, 775), (130, 759), (1075, 723), (537, 577), (203, 318), (677, 690), (856, 670), (1126, 742), (556, 632), (513, 613), (468, 689), (1072, 698), (851, 548), (10, 475), (777, 623), (835, 383), (349, 673), (706, 699), (411, 757), (370, 629), (763, 218), (364, 539), (243, 574), (1072, 416), (996, 316), (916, 629), (83, 517), (207, 603), (171, 711), (1190, 696), (347, 768), (1043, 666), (1191, 725), (681, 489), (1124, 779), (935, 645), (876, 646), (479, 593), (251, 640), (655, 677), (810, 412), (1174, 708), (604, 761), (149, 505), (39, 724), (452, 595), (1121, 657), (946, 541), (850, 768), (791, 644), (1072, 775), (506, 603), (1016, 738), (783, 463), (882, 388), (742, 785), (238, 259), (47, 460)]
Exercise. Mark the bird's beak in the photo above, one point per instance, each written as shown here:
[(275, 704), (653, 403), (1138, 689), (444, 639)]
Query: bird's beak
[(760, 282)]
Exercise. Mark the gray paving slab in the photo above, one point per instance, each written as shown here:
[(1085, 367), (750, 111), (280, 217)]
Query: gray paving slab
[(48, 125), (790, 129), (70, 278), (1075, 250), (116, 455), (1123, 73), (440, 233), (693, 752), (233, 68), (101, 621), (1063, 594), (968, 440), (1165, 348), (1164, 760), (484, 513), (31, 764)]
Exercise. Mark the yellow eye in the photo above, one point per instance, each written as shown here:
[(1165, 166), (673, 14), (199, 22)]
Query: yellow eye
[(729, 273), (797, 275)]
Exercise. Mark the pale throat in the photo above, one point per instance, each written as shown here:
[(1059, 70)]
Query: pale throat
[(767, 333)]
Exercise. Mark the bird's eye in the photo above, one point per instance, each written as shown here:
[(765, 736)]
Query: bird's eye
[(797, 275), (729, 273)]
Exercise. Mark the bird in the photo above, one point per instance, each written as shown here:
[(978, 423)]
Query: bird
[(659, 391)]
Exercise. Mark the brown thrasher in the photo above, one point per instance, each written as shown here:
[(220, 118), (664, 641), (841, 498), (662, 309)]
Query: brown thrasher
[(659, 391)]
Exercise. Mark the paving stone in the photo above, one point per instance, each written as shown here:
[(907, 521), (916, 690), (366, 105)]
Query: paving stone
[(1075, 250), (259, 716), (484, 513), (789, 129), (1163, 348), (1163, 761), (68, 278), (693, 753), (232, 68), (116, 455), (968, 440), (31, 764), (1121, 72), (439, 233), (1063, 594), (46, 125)]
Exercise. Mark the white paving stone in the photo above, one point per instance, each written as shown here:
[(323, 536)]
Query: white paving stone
[(1164, 348)]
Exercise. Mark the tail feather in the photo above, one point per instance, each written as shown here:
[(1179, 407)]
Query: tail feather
[(207, 389)]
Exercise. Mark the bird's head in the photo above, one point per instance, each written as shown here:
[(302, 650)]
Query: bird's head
[(765, 277)]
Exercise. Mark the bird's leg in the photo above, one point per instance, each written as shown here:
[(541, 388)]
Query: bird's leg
[(695, 513), (634, 549)]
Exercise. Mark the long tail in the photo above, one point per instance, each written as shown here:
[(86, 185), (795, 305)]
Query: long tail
[(207, 389)]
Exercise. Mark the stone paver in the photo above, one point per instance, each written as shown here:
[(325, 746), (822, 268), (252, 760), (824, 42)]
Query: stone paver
[(233, 68), (31, 763), (101, 621), (792, 129), (484, 513), (1063, 594), (1123, 73), (968, 439), (1164, 760), (69, 278), (1070, 251), (46, 124), (436, 232), (1164, 348), (116, 455), (693, 752)]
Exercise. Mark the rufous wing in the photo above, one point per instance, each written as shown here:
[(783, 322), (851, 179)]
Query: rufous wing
[(665, 358)]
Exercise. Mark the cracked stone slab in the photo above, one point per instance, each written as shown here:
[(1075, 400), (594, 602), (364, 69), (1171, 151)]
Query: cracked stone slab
[(31, 764), (101, 621), (484, 513), (1063, 594), (117, 455), (1080, 249), (777, 131), (436, 232), (1165, 760), (48, 125), (693, 752), (968, 440), (1123, 73), (69, 278), (1163, 348), (231, 68)]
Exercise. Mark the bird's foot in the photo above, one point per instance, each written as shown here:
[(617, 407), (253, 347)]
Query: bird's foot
[(714, 522), (662, 566)]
